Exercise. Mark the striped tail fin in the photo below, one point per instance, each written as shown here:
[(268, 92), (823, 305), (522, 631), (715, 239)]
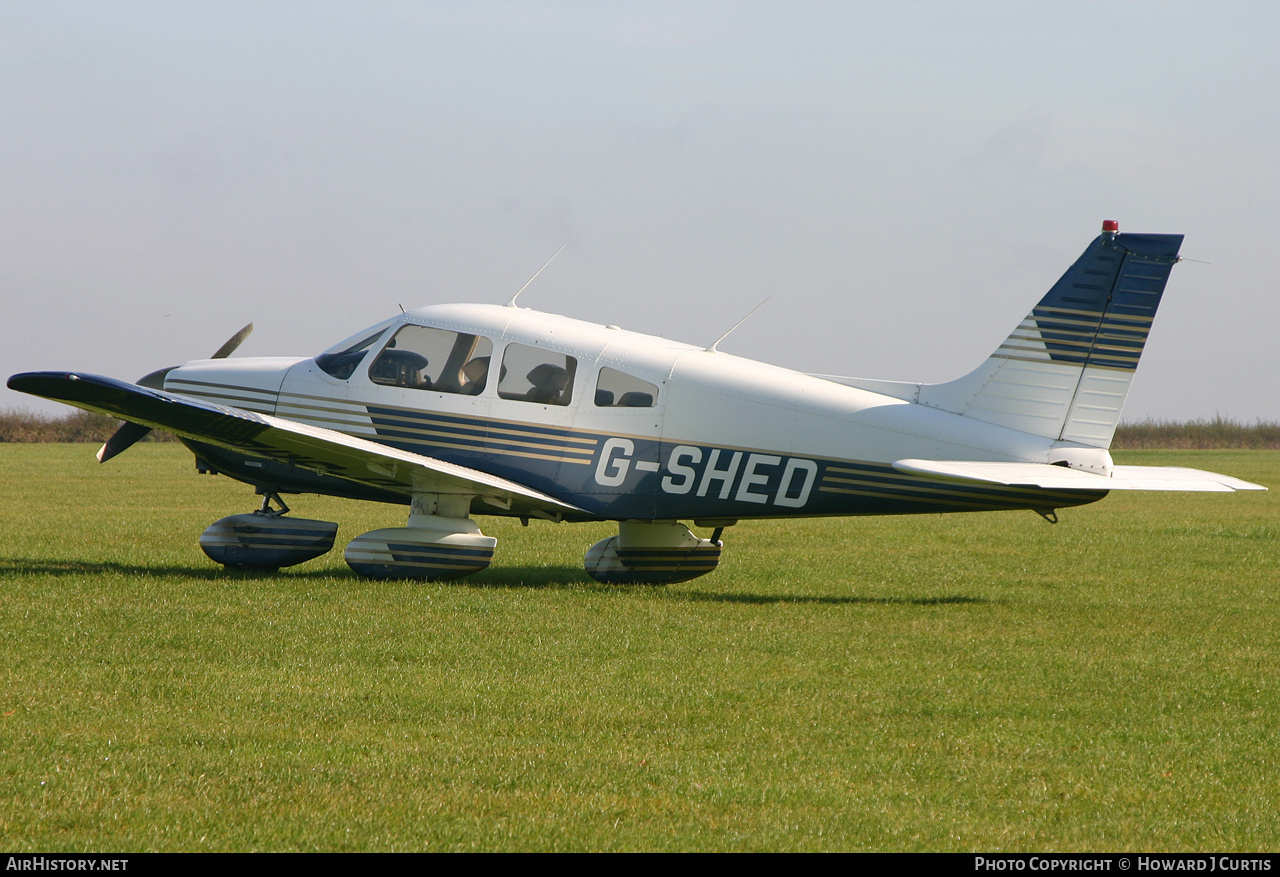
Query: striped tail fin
[(1065, 370)]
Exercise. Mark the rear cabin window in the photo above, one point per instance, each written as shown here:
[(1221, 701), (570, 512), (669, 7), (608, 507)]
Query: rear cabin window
[(425, 358), (615, 389), (530, 374)]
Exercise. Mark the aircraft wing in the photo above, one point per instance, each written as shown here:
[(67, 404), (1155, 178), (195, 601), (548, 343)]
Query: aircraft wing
[(259, 435), (1048, 477)]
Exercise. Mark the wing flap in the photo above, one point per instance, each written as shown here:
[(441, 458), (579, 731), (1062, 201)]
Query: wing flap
[(1048, 477), (308, 447)]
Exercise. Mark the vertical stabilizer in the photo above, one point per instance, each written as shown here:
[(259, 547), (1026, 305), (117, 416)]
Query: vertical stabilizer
[(1065, 370)]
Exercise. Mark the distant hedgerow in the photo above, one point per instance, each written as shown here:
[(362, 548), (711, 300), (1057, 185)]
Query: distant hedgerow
[(78, 426), (1215, 434)]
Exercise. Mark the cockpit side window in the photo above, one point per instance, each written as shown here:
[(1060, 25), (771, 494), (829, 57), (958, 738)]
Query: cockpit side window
[(426, 358), (342, 364), (615, 389), (530, 374)]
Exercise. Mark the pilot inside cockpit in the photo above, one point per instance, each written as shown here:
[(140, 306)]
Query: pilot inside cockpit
[(400, 368)]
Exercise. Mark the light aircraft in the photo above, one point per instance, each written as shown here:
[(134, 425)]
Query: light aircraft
[(481, 409)]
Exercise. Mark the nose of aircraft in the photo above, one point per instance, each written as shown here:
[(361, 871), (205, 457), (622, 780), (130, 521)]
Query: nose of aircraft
[(129, 433)]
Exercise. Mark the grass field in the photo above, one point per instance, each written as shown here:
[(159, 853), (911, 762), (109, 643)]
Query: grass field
[(969, 682)]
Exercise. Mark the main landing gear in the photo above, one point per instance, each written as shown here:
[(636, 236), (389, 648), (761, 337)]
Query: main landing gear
[(441, 542), (652, 553)]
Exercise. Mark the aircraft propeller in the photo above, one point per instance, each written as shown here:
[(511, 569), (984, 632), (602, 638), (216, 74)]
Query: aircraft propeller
[(130, 433)]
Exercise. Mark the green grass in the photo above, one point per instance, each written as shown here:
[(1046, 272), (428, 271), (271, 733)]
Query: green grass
[(968, 682)]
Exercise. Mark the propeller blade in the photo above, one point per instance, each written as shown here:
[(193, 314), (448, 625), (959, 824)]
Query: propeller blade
[(232, 343), (122, 439)]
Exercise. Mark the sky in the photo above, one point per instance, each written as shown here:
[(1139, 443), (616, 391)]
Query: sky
[(905, 180)]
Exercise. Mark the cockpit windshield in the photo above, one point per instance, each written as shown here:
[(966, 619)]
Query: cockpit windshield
[(340, 361)]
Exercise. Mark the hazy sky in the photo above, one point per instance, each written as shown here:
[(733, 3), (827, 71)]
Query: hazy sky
[(906, 179)]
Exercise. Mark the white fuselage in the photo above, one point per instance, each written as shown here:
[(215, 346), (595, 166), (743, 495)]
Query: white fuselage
[(723, 436)]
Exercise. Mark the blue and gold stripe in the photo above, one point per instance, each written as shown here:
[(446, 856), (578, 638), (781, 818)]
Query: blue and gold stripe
[(325, 411), (417, 560), (244, 398), (659, 566), (885, 490), (431, 433), (1100, 313)]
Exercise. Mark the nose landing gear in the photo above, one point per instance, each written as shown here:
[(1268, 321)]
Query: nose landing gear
[(266, 539)]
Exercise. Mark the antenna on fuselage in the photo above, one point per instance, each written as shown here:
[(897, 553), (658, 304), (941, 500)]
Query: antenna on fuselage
[(512, 303), (712, 348)]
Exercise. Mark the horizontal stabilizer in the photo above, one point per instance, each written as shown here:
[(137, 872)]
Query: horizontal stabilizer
[(311, 448), (1048, 477)]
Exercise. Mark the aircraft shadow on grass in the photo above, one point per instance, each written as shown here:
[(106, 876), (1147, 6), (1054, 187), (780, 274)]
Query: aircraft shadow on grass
[(531, 578), (24, 566), (508, 577), (572, 577), (850, 600)]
